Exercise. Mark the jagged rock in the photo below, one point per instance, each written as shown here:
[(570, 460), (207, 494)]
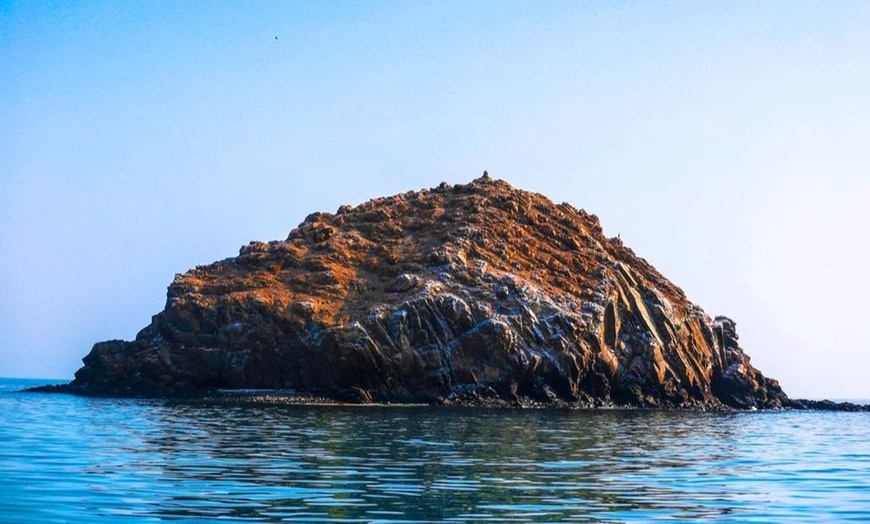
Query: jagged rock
[(476, 293)]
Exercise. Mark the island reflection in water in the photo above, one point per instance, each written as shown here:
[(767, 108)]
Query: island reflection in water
[(204, 461)]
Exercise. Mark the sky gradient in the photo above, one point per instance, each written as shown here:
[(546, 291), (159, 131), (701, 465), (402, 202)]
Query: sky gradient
[(726, 143)]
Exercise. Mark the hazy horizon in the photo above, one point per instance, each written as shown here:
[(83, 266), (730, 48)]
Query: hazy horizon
[(724, 143)]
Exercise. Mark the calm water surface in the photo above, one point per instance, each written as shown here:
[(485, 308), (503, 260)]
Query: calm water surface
[(69, 459)]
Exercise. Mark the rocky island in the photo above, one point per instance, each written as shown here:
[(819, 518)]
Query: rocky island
[(461, 294)]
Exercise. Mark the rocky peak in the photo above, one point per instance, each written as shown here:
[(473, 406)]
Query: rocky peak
[(475, 292)]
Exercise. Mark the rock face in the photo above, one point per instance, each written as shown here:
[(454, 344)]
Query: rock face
[(476, 293)]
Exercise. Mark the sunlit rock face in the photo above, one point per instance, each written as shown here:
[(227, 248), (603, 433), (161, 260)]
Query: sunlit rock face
[(475, 293)]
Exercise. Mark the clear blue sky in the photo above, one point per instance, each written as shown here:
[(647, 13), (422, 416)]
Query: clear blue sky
[(726, 142)]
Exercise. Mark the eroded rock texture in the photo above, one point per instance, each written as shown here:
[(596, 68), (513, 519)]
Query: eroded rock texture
[(466, 293)]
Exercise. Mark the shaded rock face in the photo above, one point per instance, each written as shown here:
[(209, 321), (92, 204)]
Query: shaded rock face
[(465, 293)]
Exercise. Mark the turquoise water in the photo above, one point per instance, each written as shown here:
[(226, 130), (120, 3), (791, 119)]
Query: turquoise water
[(70, 459)]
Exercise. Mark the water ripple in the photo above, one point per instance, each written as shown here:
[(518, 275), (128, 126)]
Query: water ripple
[(73, 459)]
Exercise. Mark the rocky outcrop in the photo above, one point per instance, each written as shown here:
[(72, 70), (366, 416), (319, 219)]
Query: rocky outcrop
[(476, 293)]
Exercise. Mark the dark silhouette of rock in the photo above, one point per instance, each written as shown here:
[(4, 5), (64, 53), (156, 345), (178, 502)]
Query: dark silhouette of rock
[(476, 293)]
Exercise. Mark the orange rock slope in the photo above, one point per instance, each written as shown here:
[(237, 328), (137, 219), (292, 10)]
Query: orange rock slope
[(477, 293)]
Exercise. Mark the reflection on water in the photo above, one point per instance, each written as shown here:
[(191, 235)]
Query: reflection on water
[(68, 459)]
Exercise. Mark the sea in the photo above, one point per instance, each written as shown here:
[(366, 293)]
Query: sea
[(71, 459)]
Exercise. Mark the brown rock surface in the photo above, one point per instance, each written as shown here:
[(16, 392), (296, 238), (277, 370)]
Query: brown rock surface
[(477, 293)]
